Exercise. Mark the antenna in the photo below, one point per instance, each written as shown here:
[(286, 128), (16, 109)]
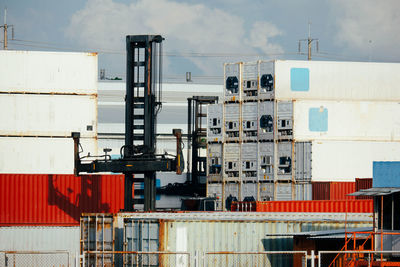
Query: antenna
[(309, 42), (5, 28)]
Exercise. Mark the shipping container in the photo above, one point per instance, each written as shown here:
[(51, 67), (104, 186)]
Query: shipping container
[(48, 72), (346, 120), (266, 121), (48, 115), (250, 121), (283, 161), (214, 162), (333, 80), (250, 191), (36, 155), (231, 161), (345, 160), (51, 199), (283, 191), (232, 82), (216, 190), (266, 161), (363, 183), (266, 80), (284, 120), (249, 158), (266, 192), (302, 162), (250, 81), (63, 243), (215, 119), (308, 206), (232, 121), (332, 190), (200, 232), (303, 191)]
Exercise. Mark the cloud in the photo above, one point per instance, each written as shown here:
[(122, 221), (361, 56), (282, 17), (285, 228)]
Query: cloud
[(187, 27), (369, 26)]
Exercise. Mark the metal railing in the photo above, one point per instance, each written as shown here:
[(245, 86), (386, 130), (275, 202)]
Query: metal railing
[(251, 259), (358, 258), (35, 258), (135, 258)]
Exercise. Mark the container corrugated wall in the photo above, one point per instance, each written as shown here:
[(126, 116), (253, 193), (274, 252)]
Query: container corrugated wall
[(57, 199), (353, 206), (332, 190), (198, 232), (42, 238), (48, 72), (334, 80), (363, 183)]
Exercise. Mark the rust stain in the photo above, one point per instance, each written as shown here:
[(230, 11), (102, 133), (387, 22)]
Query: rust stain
[(93, 54)]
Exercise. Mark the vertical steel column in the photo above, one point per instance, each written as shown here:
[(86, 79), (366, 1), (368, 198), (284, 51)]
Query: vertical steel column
[(130, 59)]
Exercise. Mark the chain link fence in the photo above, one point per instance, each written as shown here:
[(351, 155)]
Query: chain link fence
[(358, 258), (34, 258), (135, 258), (266, 258)]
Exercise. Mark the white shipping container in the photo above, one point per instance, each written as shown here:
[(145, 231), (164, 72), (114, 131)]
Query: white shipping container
[(346, 160), (333, 80), (249, 161), (231, 161), (249, 121), (214, 162), (250, 81), (215, 119), (48, 72), (266, 120), (249, 190), (41, 238), (215, 190), (232, 82), (48, 115), (284, 160), (266, 191), (283, 191), (266, 80), (346, 120), (36, 155), (232, 122), (266, 161)]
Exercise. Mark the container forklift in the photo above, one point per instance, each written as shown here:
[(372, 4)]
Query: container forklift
[(142, 104)]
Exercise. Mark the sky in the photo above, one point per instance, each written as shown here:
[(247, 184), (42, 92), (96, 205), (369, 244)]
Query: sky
[(202, 35)]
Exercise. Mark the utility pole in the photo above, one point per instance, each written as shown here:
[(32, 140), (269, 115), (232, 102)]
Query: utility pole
[(309, 42), (5, 28)]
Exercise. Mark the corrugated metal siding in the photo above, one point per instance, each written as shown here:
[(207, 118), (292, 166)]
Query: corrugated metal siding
[(353, 206), (57, 199), (43, 238), (48, 115), (340, 190), (38, 155), (332, 190), (363, 183), (48, 72), (334, 80)]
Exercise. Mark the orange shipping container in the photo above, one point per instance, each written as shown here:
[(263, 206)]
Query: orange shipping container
[(46, 199), (332, 190), (352, 206)]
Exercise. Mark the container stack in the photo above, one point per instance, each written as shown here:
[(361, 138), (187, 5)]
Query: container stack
[(285, 124), (44, 97)]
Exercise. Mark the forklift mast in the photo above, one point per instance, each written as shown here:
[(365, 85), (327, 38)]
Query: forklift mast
[(142, 103)]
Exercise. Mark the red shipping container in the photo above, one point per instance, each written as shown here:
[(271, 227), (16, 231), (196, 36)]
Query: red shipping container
[(351, 206), (41, 199), (332, 190), (363, 183)]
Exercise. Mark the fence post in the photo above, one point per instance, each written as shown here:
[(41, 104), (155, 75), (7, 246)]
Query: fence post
[(313, 259)]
